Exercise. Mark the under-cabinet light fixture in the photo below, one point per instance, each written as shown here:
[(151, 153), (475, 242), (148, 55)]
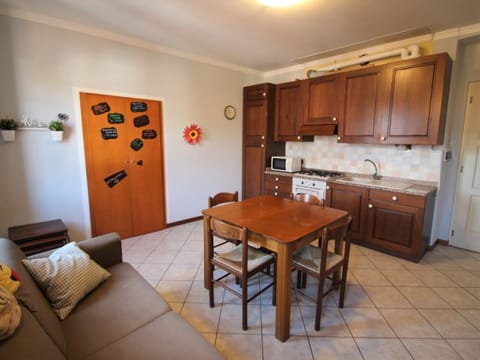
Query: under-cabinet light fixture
[(278, 3)]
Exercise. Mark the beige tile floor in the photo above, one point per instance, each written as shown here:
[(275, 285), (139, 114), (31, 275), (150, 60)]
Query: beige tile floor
[(394, 309)]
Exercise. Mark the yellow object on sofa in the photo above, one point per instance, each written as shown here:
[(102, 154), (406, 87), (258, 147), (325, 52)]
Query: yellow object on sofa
[(8, 279)]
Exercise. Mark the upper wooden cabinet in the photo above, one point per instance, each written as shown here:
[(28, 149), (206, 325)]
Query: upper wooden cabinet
[(416, 93), (258, 144), (361, 112), (288, 112), (321, 105)]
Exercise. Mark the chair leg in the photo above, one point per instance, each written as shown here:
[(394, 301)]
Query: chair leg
[(299, 279), (343, 286), (318, 313), (244, 302), (274, 294), (210, 288), (304, 280)]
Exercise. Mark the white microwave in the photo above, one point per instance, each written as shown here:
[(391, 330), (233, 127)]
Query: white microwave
[(286, 163)]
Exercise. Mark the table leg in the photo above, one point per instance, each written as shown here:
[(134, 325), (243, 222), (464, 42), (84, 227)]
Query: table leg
[(284, 282), (206, 251)]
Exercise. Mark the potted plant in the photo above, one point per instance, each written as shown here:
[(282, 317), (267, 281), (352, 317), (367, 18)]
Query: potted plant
[(8, 127), (56, 127)]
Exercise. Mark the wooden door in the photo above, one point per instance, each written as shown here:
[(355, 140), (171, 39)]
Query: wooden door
[(353, 199), (466, 224), (255, 128), (288, 112), (362, 106), (123, 151), (321, 105), (417, 92)]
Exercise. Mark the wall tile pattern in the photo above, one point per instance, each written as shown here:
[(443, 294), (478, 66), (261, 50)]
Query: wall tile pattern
[(419, 163)]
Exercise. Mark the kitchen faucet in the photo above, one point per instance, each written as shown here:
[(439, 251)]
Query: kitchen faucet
[(375, 174)]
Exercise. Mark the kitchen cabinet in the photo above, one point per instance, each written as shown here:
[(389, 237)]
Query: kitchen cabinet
[(288, 112), (399, 223), (321, 105), (392, 222), (416, 92), (278, 185), (361, 115), (353, 199), (258, 144)]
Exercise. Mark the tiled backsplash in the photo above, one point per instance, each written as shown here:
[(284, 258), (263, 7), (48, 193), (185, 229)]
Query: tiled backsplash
[(419, 163)]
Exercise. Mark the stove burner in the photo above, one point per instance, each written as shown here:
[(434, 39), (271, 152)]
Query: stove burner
[(321, 173)]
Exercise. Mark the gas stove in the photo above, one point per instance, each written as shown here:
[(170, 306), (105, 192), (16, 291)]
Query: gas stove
[(312, 181), (318, 173)]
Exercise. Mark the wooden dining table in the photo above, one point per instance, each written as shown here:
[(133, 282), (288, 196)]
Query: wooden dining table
[(281, 226)]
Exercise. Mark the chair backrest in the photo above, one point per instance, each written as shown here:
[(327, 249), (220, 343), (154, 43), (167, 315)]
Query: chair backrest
[(340, 234), (222, 197), (308, 198), (231, 233)]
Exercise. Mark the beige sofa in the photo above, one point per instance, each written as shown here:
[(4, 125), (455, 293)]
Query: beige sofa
[(124, 318)]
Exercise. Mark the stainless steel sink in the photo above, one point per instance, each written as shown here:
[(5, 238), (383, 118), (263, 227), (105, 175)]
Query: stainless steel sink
[(371, 182)]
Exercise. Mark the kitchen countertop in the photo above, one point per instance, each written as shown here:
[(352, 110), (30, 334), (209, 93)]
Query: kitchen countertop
[(413, 187)]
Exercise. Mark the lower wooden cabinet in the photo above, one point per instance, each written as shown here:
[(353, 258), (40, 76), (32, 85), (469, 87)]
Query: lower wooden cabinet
[(353, 199), (392, 222), (278, 185)]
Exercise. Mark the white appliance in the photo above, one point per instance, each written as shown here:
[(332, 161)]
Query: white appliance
[(312, 182), (286, 163)]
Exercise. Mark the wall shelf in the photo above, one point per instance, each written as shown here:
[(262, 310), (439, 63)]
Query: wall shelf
[(32, 129)]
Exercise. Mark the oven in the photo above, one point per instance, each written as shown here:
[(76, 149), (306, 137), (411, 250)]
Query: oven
[(312, 182)]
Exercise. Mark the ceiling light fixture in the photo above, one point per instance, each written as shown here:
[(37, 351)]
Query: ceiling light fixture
[(278, 3)]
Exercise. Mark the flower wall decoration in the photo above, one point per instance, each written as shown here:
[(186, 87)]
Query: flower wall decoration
[(192, 134)]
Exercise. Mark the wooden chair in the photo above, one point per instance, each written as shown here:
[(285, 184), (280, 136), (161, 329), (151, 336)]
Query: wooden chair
[(242, 262), (222, 198), (322, 263), (308, 198)]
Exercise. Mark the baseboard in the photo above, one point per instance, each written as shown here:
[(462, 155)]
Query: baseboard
[(185, 221), (438, 242)]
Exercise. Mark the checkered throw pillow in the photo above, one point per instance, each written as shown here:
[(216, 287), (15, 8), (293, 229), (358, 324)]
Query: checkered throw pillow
[(66, 277)]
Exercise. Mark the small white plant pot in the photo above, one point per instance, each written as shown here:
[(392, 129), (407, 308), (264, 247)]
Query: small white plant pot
[(57, 135), (8, 135)]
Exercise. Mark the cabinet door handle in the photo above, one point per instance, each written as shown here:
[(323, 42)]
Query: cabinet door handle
[(299, 137), (328, 187), (276, 187), (262, 145), (264, 94), (339, 138), (276, 179), (334, 118), (370, 206), (275, 193), (383, 138), (394, 198), (263, 137)]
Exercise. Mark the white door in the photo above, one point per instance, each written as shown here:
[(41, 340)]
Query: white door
[(466, 223)]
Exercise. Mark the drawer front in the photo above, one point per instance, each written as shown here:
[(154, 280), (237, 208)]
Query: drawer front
[(286, 195), (398, 198), (279, 179), (278, 185)]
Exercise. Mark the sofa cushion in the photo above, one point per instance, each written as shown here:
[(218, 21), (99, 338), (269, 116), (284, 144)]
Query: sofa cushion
[(116, 308), (66, 277), (166, 337), (30, 295), (29, 341)]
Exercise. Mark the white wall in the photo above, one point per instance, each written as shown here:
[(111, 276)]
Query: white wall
[(42, 65)]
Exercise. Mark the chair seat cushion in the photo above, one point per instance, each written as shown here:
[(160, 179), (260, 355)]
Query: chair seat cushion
[(233, 258), (309, 257)]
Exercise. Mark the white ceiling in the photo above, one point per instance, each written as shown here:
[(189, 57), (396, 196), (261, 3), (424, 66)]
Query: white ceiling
[(247, 34)]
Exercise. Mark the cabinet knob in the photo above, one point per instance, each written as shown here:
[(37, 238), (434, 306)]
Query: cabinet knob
[(264, 94), (339, 138), (275, 193), (263, 137), (370, 206), (299, 137), (276, 179), (383, 138), (394, 198), (334, 119), (328, 187), (276, 187), (262, 145)]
